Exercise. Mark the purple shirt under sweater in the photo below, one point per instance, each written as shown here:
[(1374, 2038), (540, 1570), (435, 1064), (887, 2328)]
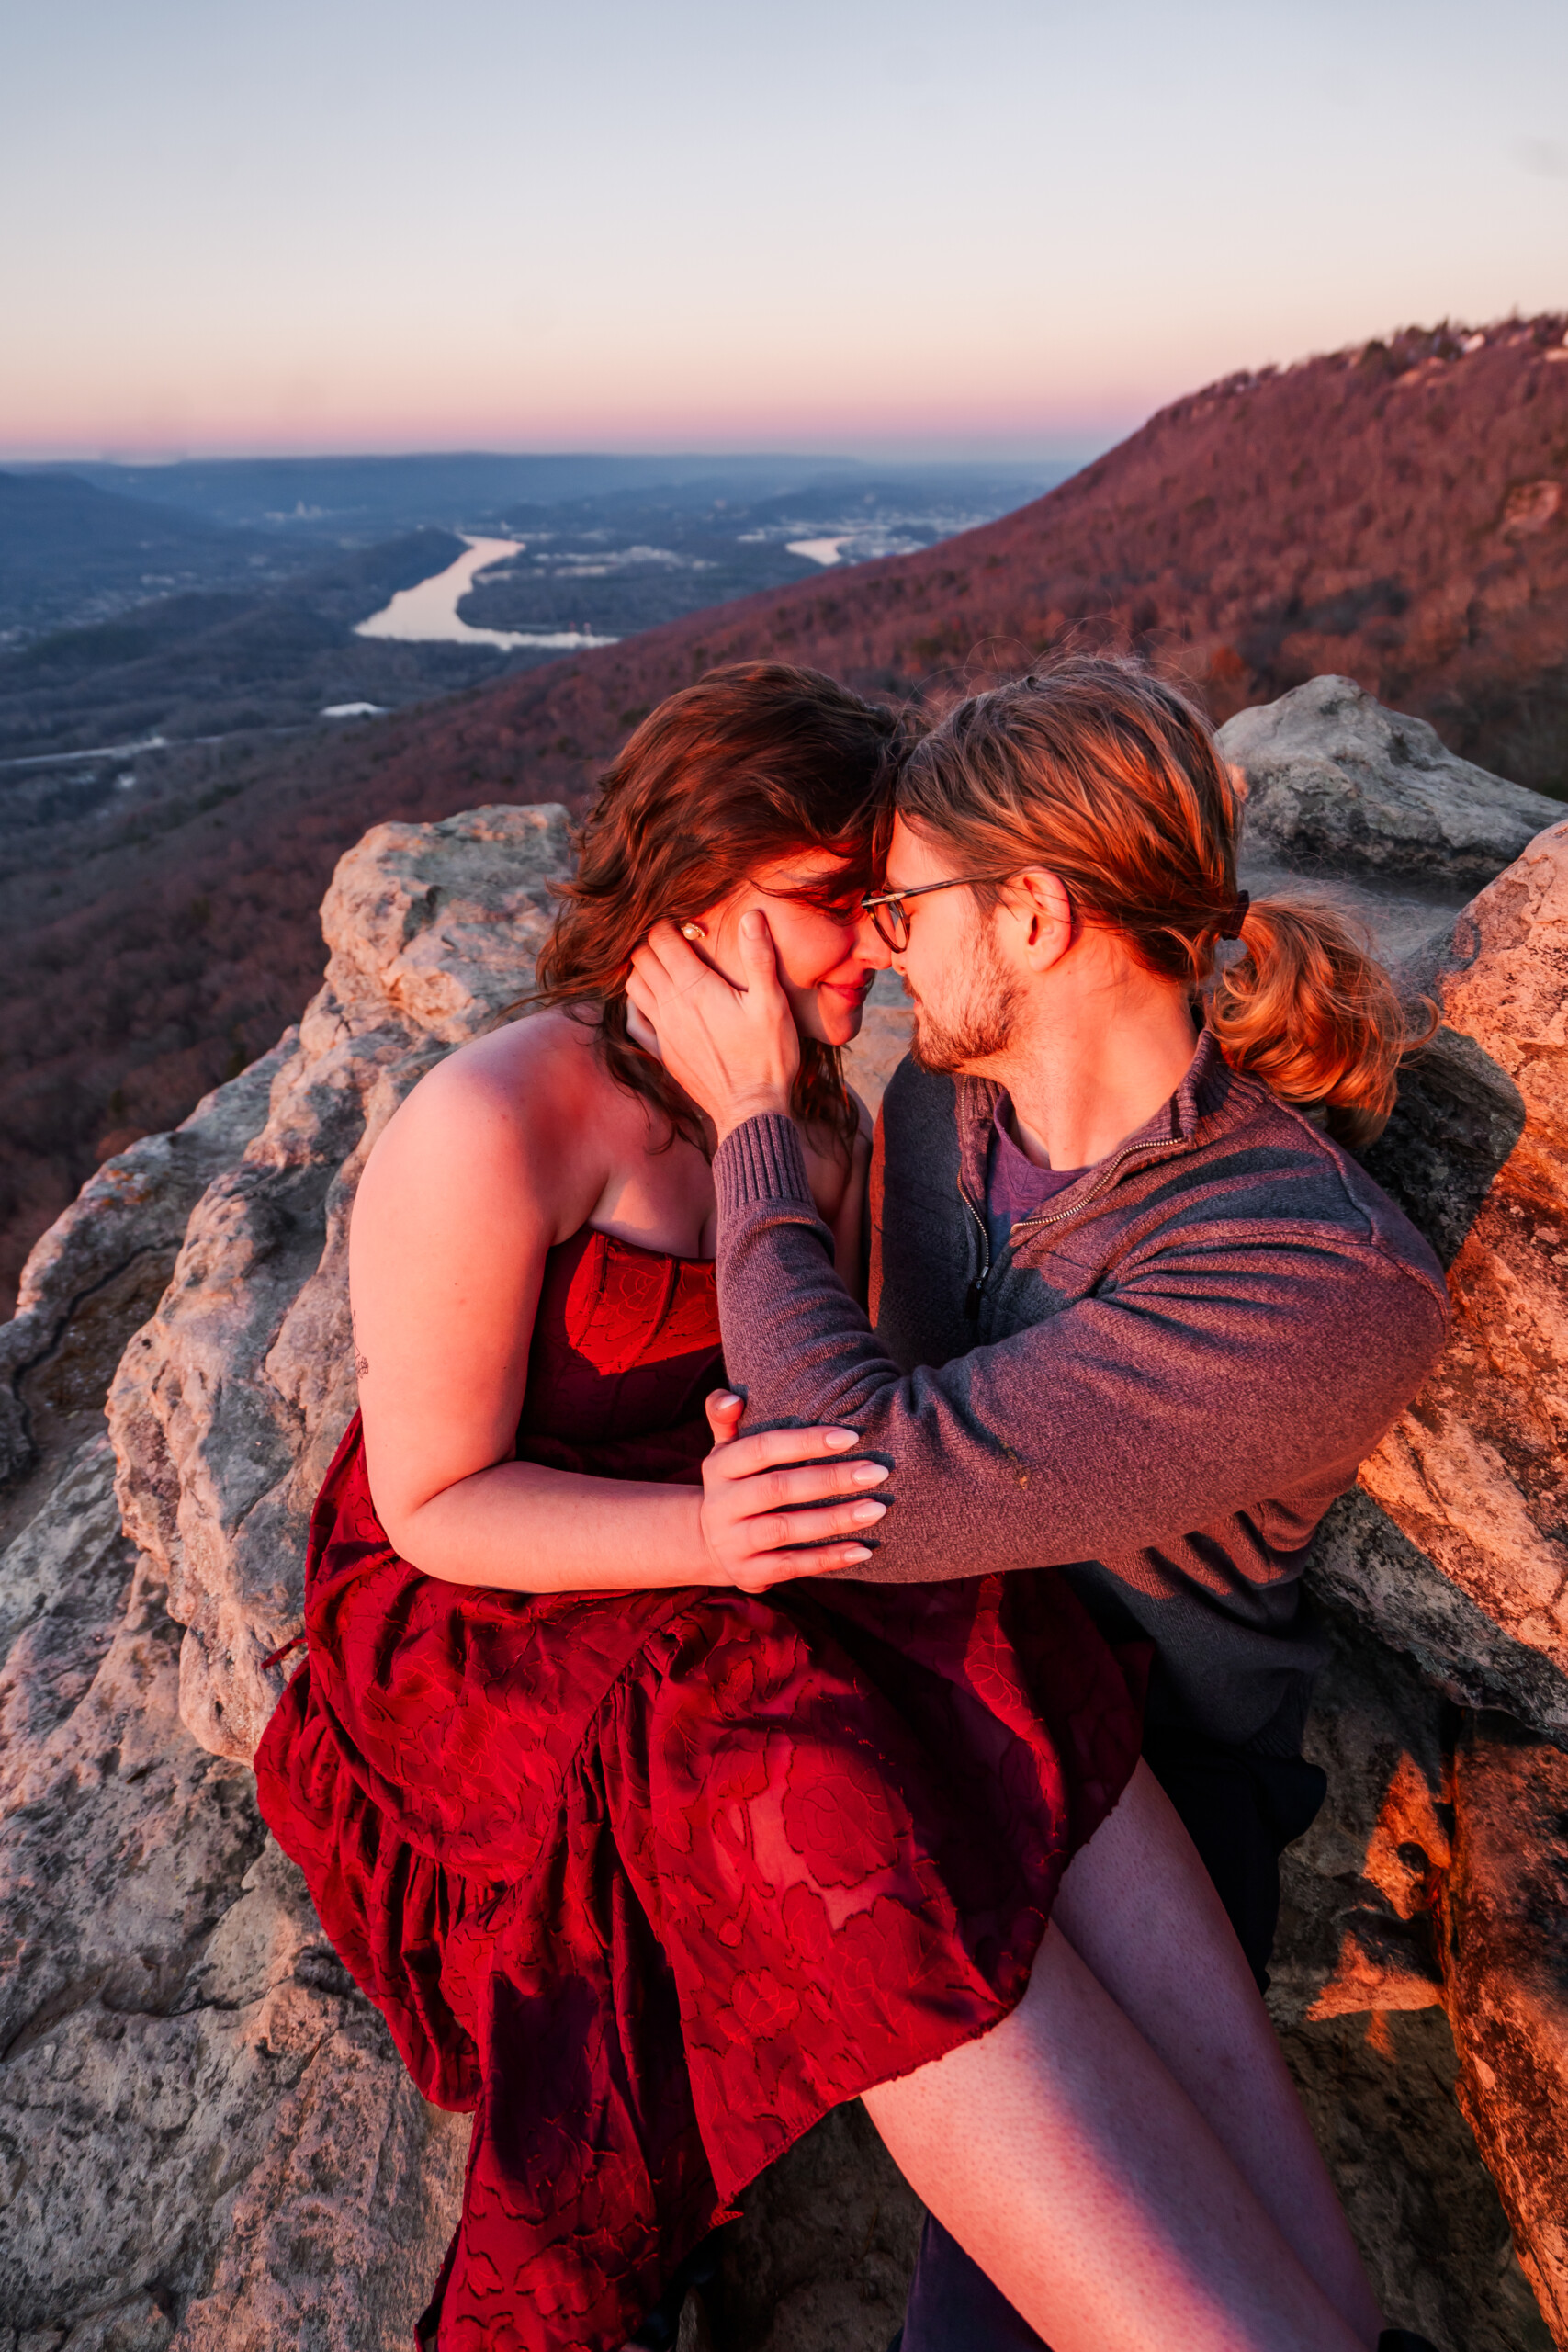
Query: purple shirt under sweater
[(1015, 1188)]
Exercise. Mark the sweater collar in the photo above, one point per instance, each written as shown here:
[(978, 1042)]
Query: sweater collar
[(1208, 1100)]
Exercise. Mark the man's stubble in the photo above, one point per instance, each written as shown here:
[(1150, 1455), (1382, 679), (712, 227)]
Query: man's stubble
[(978, 1018)]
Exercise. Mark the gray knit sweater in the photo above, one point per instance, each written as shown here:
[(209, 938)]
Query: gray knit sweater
[(1160, 1384)]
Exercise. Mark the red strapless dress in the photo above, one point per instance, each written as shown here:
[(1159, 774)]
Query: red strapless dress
[(650, 1882)]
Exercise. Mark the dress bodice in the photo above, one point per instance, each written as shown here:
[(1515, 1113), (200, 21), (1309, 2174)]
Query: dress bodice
[(625, 1346)]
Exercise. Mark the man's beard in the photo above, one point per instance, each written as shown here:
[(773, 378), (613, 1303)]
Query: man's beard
[(981, 1017)]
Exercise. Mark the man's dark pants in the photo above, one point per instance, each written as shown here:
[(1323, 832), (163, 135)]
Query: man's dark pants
[(1241, 1811)]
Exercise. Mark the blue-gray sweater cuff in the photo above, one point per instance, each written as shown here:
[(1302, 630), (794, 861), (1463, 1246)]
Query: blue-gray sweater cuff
[(761, 1161)]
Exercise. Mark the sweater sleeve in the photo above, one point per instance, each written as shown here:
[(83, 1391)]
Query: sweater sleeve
[(1222, 1371)]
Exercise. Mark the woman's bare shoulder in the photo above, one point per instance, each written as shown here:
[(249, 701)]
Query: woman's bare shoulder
[(525, 1108), (530, 1073)]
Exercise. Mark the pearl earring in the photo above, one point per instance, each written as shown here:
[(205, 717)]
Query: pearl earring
[(693, 930)]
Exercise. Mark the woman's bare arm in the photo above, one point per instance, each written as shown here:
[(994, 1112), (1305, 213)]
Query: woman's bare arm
[(474, 1182)]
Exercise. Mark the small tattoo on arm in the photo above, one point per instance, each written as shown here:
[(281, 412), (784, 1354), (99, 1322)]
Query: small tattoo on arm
[(361, 1364)]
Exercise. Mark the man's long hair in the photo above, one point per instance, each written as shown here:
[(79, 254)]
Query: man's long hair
[(1107, 776)]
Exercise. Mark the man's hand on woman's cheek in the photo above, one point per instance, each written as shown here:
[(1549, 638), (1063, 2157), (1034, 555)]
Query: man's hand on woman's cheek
[(735, 1050)]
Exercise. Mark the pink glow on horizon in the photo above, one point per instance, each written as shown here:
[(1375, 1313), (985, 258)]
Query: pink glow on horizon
[(772, 399)]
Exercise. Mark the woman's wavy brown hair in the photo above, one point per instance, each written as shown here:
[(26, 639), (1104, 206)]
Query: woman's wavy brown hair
[(756, 761), (1108, 777)]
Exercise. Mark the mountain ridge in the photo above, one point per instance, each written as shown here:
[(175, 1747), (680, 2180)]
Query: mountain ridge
[(1397, 512), (1474, 640)]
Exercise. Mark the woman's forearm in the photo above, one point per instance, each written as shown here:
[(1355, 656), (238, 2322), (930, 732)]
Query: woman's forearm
[(519, 1527)]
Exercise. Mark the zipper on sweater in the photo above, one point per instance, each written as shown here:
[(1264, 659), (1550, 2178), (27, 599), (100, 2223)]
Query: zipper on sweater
[(1054, 1216), (1051, 1217), (972, 1295)]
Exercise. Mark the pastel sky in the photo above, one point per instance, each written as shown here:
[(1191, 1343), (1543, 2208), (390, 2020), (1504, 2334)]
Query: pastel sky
[(887, 227)]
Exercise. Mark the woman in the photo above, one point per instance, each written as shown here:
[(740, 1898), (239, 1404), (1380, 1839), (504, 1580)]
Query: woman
[(648, 1857)]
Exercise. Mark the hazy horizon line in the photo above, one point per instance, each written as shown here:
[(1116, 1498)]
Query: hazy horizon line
[(923, 453)]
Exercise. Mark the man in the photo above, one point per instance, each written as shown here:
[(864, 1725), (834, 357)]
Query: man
[(1134, 1313)]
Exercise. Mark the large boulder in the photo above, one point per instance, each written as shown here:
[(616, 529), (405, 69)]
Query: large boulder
[(1338, 784), (230, 1400), (1455, 1549), (206, 2138), (189, 2073), (1506, 1959)]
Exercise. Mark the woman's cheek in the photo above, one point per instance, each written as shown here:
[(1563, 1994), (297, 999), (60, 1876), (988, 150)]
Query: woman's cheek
[(812, 1016)]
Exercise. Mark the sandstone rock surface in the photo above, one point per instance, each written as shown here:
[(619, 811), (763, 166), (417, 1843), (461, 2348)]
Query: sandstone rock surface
[(232, 1398), (1506, 1902), (98, 1270), (207, 2141), (1474, 1477), (1455, 1551), (1339, 784), (821, 2258), (1359, 1997)]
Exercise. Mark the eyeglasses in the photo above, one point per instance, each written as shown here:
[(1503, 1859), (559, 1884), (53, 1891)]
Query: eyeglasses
[(887, 911)]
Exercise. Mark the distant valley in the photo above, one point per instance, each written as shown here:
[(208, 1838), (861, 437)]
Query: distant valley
[(201, 600), (1398, 511)]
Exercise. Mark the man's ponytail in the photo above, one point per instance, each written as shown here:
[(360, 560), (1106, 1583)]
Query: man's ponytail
[(1107, 776), (1306, 1008)]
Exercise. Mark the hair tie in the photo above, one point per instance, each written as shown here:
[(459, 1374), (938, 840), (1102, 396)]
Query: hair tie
[(1229, 925)]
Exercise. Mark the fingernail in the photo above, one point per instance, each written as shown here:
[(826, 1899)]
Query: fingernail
[(867, 1514), (855, 1554), (722, 1398), (867, 1474), (840, 1440)]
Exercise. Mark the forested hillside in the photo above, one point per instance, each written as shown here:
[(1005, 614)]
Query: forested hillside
[(1398, 512)]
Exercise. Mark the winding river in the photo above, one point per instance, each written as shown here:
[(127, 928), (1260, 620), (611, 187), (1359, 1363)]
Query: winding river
[(430, 610)]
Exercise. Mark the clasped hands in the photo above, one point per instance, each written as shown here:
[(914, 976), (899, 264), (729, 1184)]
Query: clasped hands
[(778, 1505)]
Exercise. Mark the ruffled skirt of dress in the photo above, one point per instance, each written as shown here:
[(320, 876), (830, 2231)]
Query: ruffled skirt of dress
[(796, 1845)]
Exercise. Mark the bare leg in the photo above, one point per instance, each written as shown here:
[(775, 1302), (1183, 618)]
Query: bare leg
[(1064, 2156), (1072, 2168), (1139, 1908)]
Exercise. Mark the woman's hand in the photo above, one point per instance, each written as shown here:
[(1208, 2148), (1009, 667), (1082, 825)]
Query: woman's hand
[(734, 1050), (755, 1504)]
